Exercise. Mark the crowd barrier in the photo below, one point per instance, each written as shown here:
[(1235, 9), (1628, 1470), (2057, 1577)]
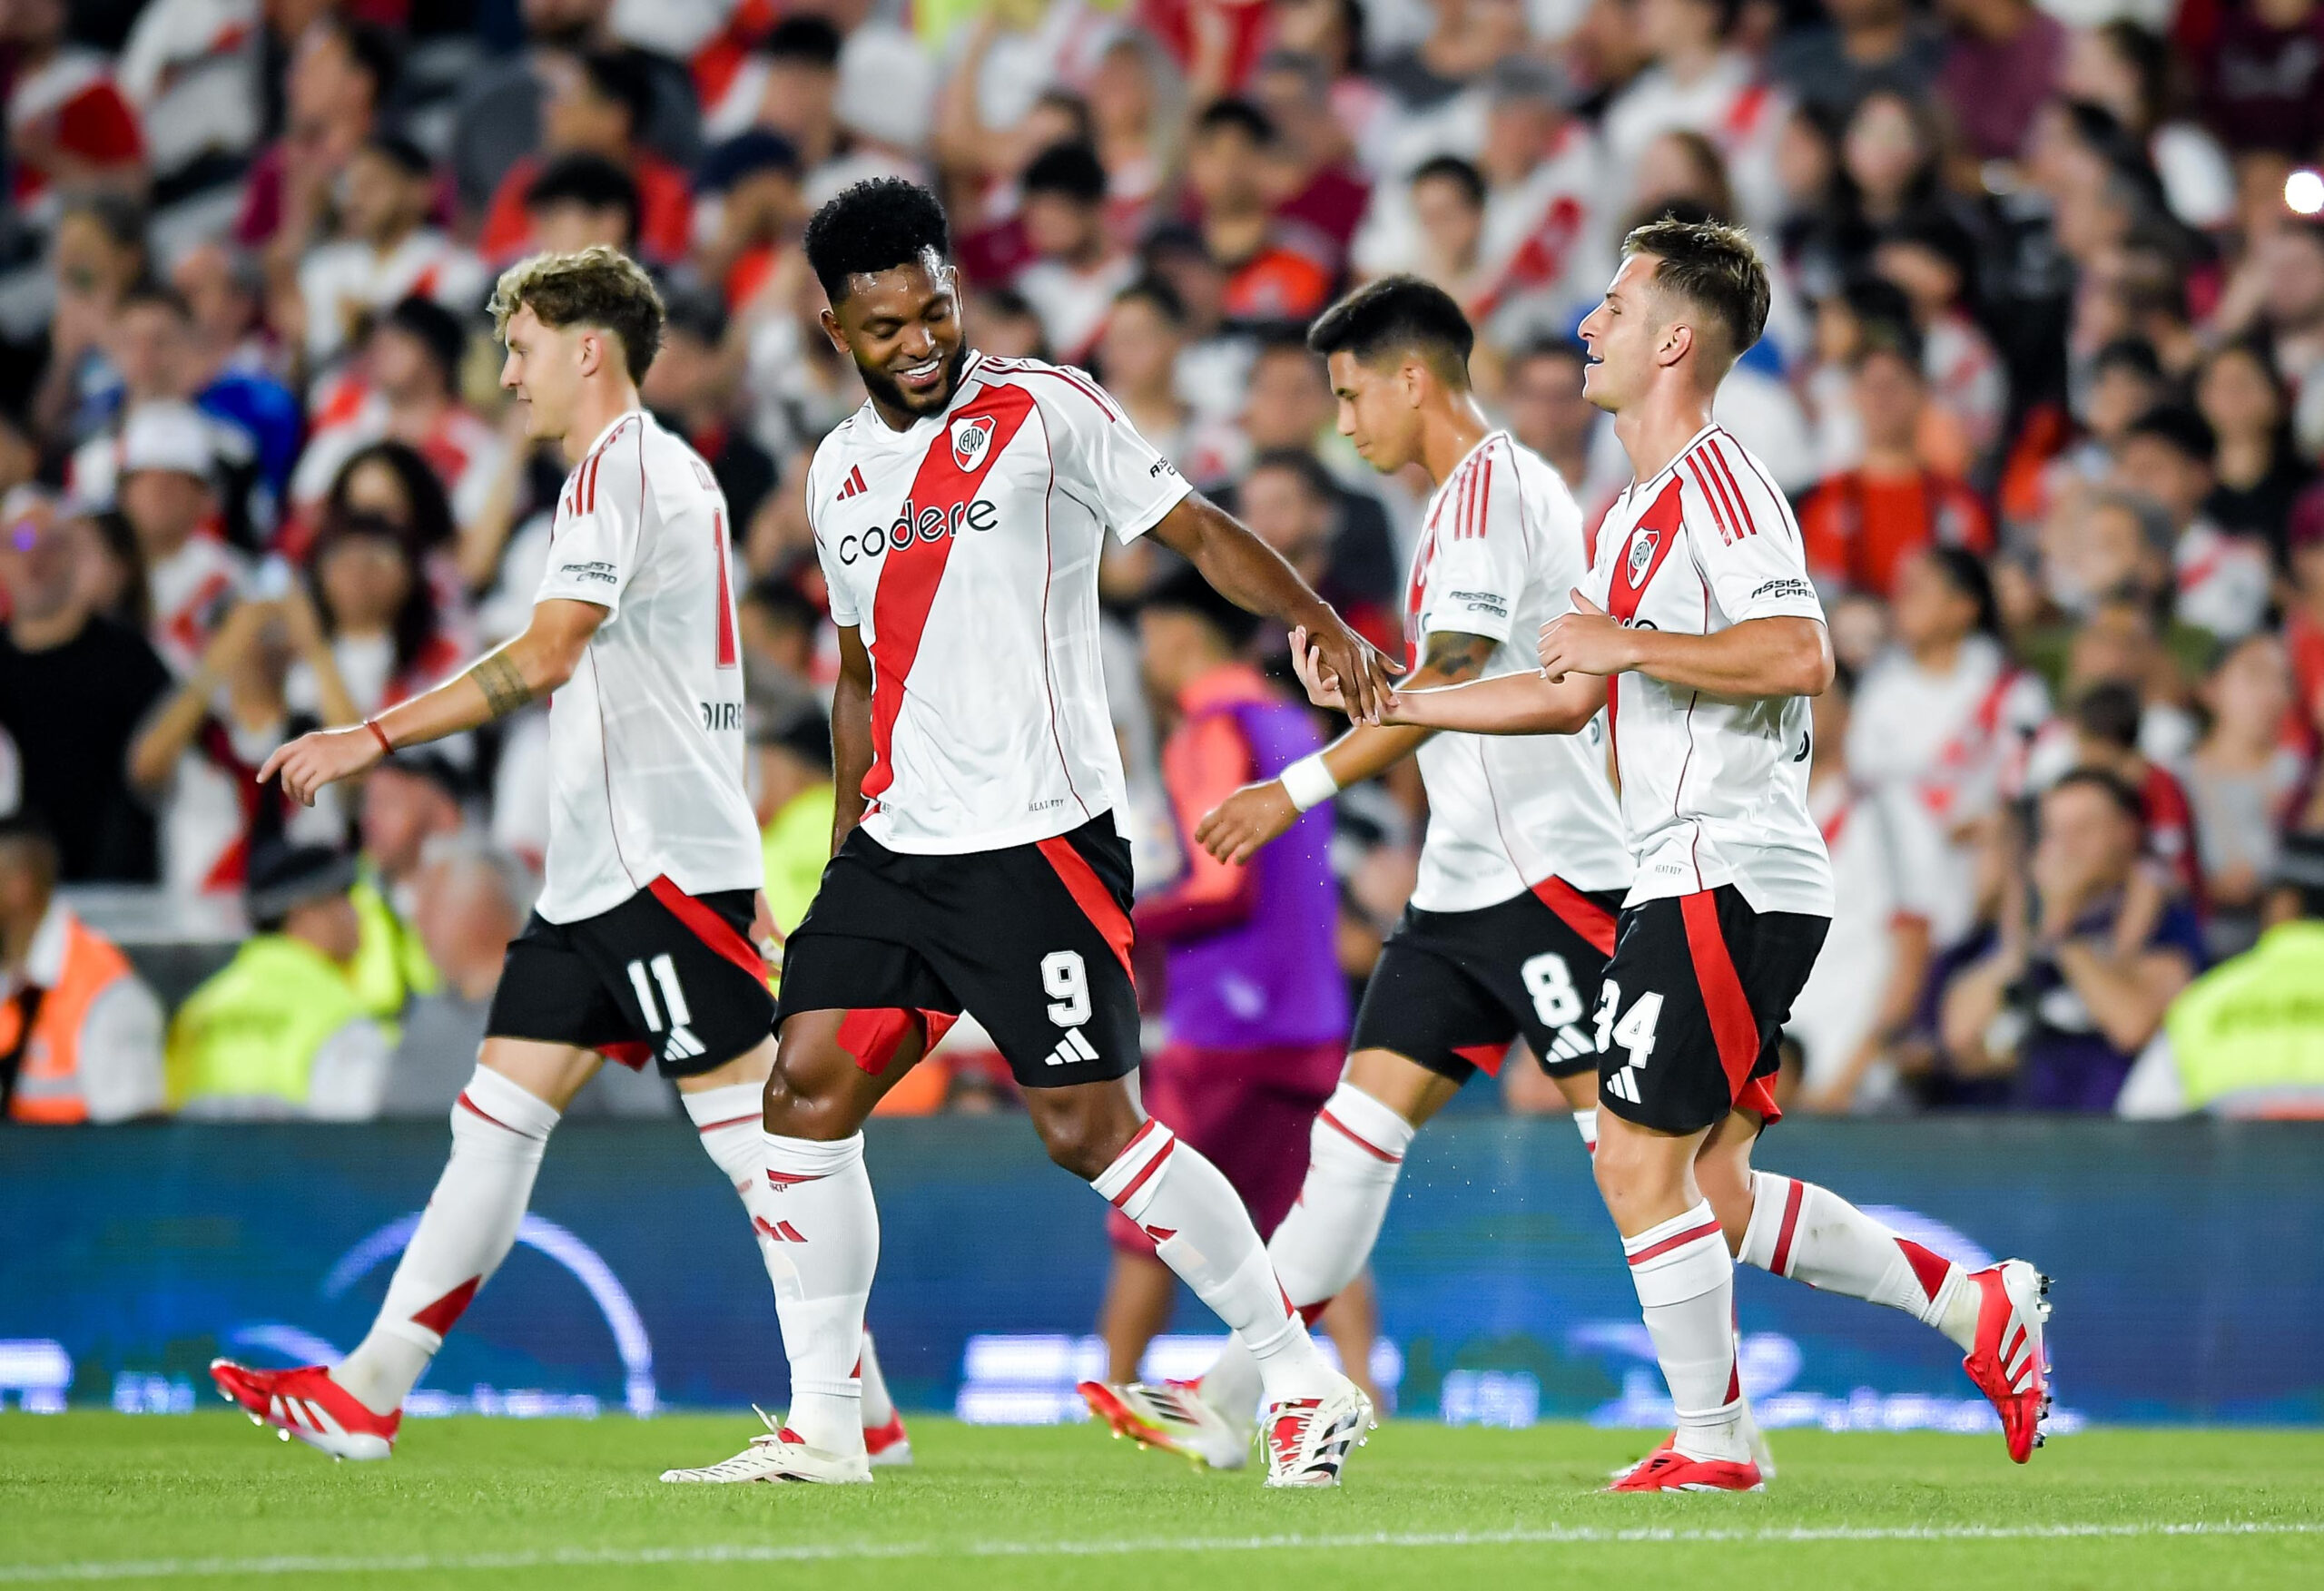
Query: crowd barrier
[(2188, 1258)]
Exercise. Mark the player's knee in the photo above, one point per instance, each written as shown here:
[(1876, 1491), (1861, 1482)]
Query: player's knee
[(792, 1110)]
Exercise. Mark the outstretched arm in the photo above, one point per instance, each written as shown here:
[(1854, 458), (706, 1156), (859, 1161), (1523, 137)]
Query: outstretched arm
[(1506, 704), (1254, 577), (498, 683), (1235, 828)]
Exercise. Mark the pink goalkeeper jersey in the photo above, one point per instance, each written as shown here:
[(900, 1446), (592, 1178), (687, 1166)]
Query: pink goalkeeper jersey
[(965, 548)]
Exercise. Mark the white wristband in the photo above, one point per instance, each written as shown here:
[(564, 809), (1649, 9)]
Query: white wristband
[(1308, 781)]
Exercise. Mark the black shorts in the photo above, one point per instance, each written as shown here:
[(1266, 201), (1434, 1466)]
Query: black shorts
[(664, 977), (1032, 940), (1692, 1004), (1452, 988)]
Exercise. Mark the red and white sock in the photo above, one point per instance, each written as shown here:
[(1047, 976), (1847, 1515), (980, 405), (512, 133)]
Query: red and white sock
[(1686, 1289), (498, 1134), (1585, 1121), (824, 1251), (1355, 1151), (1202, 1231), (1811, 1234), (728, 1121), (879, 1408)]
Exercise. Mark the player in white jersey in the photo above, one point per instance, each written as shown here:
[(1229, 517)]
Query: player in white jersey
[(959, 517), (641, 948), (1522, 870), (1700, 637)]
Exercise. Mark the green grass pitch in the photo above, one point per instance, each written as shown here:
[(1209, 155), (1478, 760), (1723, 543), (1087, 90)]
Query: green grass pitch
[(100, 1498)]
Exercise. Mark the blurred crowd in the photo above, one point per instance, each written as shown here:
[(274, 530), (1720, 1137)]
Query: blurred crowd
[(2045, 376)]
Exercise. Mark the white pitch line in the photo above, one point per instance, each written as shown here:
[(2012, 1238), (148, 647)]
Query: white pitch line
[(842, 1552)]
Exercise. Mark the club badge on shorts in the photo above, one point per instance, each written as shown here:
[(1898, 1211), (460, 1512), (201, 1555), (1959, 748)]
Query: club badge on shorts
[(970, 437)]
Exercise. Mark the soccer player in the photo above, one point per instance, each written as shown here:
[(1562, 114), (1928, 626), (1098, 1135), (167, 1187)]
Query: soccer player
[(1701, 638), (640, 945), (1512, 917), (959, 517)]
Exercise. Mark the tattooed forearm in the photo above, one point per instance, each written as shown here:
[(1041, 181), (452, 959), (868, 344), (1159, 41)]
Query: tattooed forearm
[(502, 683), (1453, 657)]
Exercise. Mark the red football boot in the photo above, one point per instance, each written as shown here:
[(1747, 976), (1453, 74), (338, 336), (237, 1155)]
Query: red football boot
[(886, 1444), (1667, 1469), (2009, 1363), (306, 1403)]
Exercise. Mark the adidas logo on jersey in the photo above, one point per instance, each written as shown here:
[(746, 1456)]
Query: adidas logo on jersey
[(1072, 1050), (918, 524), (854, 485)]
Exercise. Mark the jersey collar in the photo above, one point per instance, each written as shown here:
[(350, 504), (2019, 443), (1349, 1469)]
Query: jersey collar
[(1676, 458), (611, 426)]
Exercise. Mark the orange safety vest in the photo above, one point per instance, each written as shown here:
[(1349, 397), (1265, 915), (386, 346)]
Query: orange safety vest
[(48, 1076)]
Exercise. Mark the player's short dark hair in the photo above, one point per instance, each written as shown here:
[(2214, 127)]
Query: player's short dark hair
[(1186, 591), (697, 311), (2108, 784), (1395, 315), (596, 286), (437, 331), (591, 182), (620, 76), (808, 41), (2180, 427), (400, 152), (1451, 168), (1069, 170), (872, 226), (1235, 113), (1156, 290), (2109, 712), (1712, 266), (1299, 462)]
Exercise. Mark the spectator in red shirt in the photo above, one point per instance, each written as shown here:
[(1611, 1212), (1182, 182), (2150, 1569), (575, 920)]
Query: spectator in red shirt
[(68, 124), (2002, 65), (1862, 525), (2106, 735), (597, 107), (1227, 176), (2263, 86)]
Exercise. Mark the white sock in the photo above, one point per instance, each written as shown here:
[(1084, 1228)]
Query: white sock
[(879, 1408), (1686, 1289), (824, 1252), (498, 1133), (1585, 1121), (1202, 1231), (1811, 1234), (1355, 1152)]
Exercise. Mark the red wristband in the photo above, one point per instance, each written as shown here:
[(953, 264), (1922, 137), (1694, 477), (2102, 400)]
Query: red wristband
[(386, 746)]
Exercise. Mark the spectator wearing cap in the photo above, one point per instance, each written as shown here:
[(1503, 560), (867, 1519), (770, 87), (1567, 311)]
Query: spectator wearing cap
[(73, 688), (1696, 82), (2088, 958), (2246, 1039), (278, 1031), (168, 492), (748, 189), (2000, 67), (694, 385), (69, 125), (337, 82), (1861, 47), (2221, 580), (80, 1032), (418, 802), (1075, 268), (1861, 524), (386, 251), (580, 200), (599, 104), (1227, 164), (792, 791), (197, 757), (406, 387)]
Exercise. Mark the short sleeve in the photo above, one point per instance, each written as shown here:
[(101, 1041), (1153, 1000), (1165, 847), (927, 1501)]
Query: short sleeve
[(592, 546), (1102, 452), (1479, 570), (839, 594), (1745, 539)]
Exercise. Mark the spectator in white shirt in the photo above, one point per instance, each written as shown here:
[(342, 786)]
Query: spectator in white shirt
[(387, 251), (1075, 270)]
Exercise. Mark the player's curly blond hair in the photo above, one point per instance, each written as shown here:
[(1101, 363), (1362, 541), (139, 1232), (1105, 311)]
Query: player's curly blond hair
[(598, 287)]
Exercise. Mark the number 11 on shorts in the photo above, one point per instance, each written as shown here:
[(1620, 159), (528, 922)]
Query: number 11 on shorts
[(1064, 977)]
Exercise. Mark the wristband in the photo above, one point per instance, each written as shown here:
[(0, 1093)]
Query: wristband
[(1308, 781), (386, 746)]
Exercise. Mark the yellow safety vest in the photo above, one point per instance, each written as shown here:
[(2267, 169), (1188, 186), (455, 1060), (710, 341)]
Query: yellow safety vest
[(390, 964), (254, 1029), (2255, 1025)]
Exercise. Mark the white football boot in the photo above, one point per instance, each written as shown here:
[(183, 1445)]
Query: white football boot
[(779, 1456)]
